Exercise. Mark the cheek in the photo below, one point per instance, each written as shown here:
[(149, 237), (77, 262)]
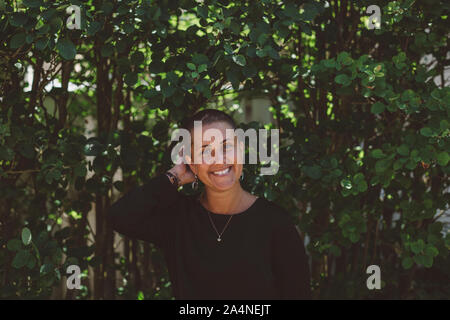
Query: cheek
[(231, 155), (203, 169), (239, 168)]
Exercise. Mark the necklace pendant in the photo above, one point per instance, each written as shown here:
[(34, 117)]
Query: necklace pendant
[(218, 239)]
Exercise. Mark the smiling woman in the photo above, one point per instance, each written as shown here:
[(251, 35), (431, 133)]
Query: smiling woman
[(224, 243)]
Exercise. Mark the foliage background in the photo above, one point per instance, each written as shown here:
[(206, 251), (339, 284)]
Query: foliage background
[(364, 121)]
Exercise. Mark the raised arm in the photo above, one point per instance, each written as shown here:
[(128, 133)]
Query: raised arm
[(146, 211), (290, 262)]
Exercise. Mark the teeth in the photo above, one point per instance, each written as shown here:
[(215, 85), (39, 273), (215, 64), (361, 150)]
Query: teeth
[(219, 173)]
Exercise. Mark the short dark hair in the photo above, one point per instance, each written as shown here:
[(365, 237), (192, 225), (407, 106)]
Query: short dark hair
[(208, 116)]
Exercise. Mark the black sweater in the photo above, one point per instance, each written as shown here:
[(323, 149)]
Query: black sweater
[(260, 256)]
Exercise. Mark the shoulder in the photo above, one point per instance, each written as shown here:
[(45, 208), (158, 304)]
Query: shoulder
[(281, 226), (276, 215)]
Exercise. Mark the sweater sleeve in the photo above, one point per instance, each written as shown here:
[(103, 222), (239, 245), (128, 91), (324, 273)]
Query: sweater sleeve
[(146, 211), (289, 261)]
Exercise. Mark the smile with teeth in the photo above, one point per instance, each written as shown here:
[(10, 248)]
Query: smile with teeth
[(222, 172)]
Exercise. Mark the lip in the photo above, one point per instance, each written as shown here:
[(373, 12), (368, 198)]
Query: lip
[(221, 169)]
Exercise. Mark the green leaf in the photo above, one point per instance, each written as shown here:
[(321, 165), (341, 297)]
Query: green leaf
[(398, 164), (17, 40), (93, 28), (202, 68), (419, 259), (33, 3), (430, 250), (199, 58), (18, 19), (443, 158), (310, 11), (444, 125), (427, 132), (354, 237), (29, 39), (6, 154), (428, 261), (377, 154), (202, 11), (14, 245), (329, 63), (262, 38), (21, 259), (54, 174), (417, 246), (291, 10), (249, 71), (362, 186), (377, 108), (240, 60), (382, 165), (359, 177), (80, 170), (335, 250), (360, 182), (407, 263), (131, 78), (191, 66), (41, 44), (66, 49), (314, 172), (26, 236), (203, 87), (31, 262), (106, 8), (346, 183), (403, 150), (26, 149), (46, 268), (261, 53), (233, 78), (342, 79), (107, 50), (336, 173)]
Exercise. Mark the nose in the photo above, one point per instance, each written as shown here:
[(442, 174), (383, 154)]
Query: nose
[(220, 157)]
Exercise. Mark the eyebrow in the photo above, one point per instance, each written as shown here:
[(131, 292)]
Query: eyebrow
[(224, 140)]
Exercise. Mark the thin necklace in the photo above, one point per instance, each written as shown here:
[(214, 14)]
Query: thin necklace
[(219, 235)]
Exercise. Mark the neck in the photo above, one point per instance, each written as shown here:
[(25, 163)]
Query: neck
[(225, 202)]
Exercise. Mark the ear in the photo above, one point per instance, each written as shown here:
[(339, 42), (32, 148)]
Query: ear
[(188, 159), (189, 163), (193, 168)]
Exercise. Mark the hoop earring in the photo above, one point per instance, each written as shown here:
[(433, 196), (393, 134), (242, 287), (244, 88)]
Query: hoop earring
[(195, 183)]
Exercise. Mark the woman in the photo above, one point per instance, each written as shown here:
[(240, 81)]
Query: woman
[(224, 243)]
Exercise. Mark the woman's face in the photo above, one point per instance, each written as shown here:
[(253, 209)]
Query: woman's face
[(215, 173)]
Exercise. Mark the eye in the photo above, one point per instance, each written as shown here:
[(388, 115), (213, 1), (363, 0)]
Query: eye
[(206, 151), (228, 146)]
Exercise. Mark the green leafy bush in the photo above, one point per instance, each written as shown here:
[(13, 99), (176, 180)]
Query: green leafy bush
[(364, 158)]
